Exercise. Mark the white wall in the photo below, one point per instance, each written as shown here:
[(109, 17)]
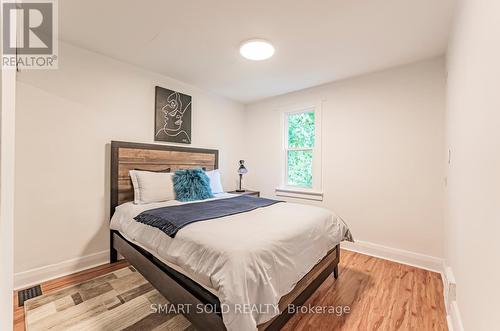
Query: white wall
[(383, 143), (473, 135), (7, 136), (64, 119)]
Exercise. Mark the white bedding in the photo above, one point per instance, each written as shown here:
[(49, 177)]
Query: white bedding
[(252, 258)]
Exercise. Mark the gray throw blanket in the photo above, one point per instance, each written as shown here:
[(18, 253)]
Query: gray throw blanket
[(173, 218)]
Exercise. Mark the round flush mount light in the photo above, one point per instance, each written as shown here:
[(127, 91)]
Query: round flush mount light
[(256, 49)]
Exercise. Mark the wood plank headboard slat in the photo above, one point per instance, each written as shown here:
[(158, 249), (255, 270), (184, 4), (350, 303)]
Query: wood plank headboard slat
[(126, 156)]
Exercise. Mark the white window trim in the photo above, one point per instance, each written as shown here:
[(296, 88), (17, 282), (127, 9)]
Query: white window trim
[(315, 192)]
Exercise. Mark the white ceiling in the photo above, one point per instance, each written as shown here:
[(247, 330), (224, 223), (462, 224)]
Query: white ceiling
[(316, 41)]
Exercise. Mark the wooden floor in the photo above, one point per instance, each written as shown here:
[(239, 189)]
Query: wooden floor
[(381, 295)]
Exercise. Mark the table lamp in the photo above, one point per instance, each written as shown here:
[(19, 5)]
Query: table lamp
[(241, 171)]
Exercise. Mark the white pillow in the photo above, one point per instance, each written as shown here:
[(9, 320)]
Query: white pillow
[(152, 186), (215, 183)]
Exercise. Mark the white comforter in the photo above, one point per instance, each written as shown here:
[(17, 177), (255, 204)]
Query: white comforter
[(248, 260)]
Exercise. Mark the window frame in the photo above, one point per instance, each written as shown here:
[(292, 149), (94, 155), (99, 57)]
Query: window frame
[(287, 148), (295, 191)]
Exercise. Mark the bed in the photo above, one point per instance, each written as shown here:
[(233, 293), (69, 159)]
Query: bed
[(284, 274)]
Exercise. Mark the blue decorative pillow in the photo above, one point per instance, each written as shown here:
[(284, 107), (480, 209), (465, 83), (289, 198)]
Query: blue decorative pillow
[(192, 184)]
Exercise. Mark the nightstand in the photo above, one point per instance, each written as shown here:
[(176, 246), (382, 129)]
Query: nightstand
[(247, 192)]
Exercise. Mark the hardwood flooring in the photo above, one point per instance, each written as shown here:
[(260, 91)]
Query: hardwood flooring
[(380, 294)]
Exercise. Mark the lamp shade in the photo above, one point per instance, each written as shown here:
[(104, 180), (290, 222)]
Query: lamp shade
[(242, 170)]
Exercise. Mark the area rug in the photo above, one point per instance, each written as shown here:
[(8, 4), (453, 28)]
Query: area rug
[(120, 300)]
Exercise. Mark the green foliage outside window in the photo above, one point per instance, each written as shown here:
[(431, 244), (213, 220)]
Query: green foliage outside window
[(300, 168), (300, 145), (301, 130)]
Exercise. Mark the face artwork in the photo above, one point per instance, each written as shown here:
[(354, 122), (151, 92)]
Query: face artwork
[(173, 116)]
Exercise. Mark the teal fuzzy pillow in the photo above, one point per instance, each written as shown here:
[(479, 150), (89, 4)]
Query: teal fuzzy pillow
[(192, 184)]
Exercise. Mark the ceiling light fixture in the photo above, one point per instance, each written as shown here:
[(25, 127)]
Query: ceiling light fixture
[(256, 49)]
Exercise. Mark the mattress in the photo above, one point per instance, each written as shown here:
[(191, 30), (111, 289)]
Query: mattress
[(252, 258)]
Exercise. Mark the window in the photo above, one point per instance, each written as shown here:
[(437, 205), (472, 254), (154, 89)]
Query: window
[(302, 158), (299, 149)]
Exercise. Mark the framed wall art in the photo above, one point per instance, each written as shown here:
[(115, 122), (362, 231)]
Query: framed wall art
[(172, 116)]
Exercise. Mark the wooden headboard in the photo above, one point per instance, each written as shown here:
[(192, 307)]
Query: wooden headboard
[(127, 156)]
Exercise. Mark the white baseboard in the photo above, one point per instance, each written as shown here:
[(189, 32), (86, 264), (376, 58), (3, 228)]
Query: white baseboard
[(397, 255), (38, 275), (454, 317), (450, 297)]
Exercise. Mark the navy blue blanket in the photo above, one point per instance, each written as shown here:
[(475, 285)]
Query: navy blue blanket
[(173, 218)]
